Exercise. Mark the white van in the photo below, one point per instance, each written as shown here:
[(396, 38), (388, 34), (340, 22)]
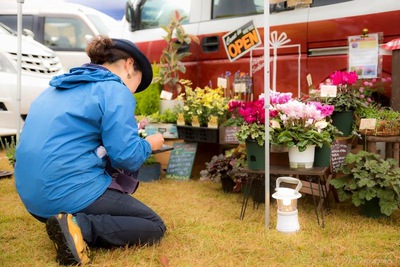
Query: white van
[(63, 27), (39, 65)]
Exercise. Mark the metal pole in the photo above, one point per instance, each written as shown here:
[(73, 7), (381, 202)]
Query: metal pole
[(19, 67), (266, 100)]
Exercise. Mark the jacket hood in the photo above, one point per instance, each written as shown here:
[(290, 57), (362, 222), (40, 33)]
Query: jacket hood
[(86, 74)]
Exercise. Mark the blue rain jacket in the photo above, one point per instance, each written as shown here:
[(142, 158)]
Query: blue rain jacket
[(57, 167)]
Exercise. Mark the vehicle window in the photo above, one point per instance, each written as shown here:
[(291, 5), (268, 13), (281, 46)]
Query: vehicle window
[(156, 13), (103, 24), (236, 8), (12, 20), (66, 34)]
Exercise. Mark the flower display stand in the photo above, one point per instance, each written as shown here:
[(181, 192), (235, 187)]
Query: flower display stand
[(315, 183), (198, 134), (392, 144)]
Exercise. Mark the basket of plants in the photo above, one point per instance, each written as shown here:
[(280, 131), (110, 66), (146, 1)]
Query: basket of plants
[(385, 121)]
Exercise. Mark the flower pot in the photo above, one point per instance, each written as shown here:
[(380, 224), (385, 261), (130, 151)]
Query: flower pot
[(371, 209), (227, 184), (148, 173), (343, 120), (322, 157), (301, 160), (255, 155)]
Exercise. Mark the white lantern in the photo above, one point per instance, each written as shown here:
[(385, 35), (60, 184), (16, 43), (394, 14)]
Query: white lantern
[(288, 221)]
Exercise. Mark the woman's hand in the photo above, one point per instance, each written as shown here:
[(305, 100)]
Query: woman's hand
[(156, 141)]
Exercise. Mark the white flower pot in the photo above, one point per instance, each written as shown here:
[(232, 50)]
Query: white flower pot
[(301, 160)]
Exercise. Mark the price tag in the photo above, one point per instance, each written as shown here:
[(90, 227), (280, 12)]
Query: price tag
[(222, 82), (166, 95), (328, 90), (213, 122), (181, 119), (309, 80), (239, 87), (367, 124), (195, 121)]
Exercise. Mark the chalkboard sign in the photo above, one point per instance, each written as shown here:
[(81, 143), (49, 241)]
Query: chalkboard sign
[(227, 135), (339, 150), (181, 161)]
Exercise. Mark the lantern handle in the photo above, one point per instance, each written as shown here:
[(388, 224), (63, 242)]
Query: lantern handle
[(289, 180)]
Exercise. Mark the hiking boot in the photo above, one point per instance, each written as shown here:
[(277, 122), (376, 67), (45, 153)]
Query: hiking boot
[(67, 238)]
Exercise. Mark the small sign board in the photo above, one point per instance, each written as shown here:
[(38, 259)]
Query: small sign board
[(339, 150), (240, 41), (181, 161), (328, 90), (367, 124)]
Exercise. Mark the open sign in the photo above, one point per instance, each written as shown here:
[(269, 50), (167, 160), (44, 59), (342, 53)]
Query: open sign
[(242, 40)]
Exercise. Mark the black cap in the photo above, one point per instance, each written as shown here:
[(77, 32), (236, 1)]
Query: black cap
[(140, 58)]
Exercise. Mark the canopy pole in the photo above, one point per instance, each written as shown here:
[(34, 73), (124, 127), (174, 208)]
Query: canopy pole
[(266, 105)]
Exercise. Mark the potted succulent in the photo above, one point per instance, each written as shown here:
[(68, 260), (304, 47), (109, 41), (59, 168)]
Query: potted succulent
[(170, 59), (365, 178)]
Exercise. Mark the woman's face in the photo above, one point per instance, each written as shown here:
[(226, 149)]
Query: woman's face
[(135, 76)]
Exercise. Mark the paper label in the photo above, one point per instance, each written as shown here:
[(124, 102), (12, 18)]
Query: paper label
[(328, 90), (181, 119), (239, 87), (222, 82), (309, 80), (213, 122), (367, 124), (166, 95), (195, 121)]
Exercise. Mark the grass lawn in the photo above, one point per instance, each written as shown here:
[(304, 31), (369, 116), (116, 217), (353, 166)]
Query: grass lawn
[(204, 229)]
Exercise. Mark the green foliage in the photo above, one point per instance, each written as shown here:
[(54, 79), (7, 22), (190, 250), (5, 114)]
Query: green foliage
[(168, 116), (251, 131), (9, 148), (148, 101), (366, 176), (150, 160), (302, 137), (170, 59)]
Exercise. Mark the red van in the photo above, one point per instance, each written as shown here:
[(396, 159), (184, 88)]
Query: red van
[(318, 31)]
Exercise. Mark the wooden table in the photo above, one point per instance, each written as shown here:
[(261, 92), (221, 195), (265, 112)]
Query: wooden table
[(317, 185), (392, 144)]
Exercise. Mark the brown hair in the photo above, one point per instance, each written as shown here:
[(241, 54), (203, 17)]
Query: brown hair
[(101, 49)]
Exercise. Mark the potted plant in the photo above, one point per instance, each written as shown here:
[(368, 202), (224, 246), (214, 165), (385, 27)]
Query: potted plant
[(203, 111), (367, 177), (352, 95), (170, 59), (151, 168), (224, 168), (387, 120)]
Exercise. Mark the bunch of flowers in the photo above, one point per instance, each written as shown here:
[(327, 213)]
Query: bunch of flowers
[(300, 124), (204, 103), (352, 93), (252, 114)]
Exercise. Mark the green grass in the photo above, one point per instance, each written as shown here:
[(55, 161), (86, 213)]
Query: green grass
[(204, 229)]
